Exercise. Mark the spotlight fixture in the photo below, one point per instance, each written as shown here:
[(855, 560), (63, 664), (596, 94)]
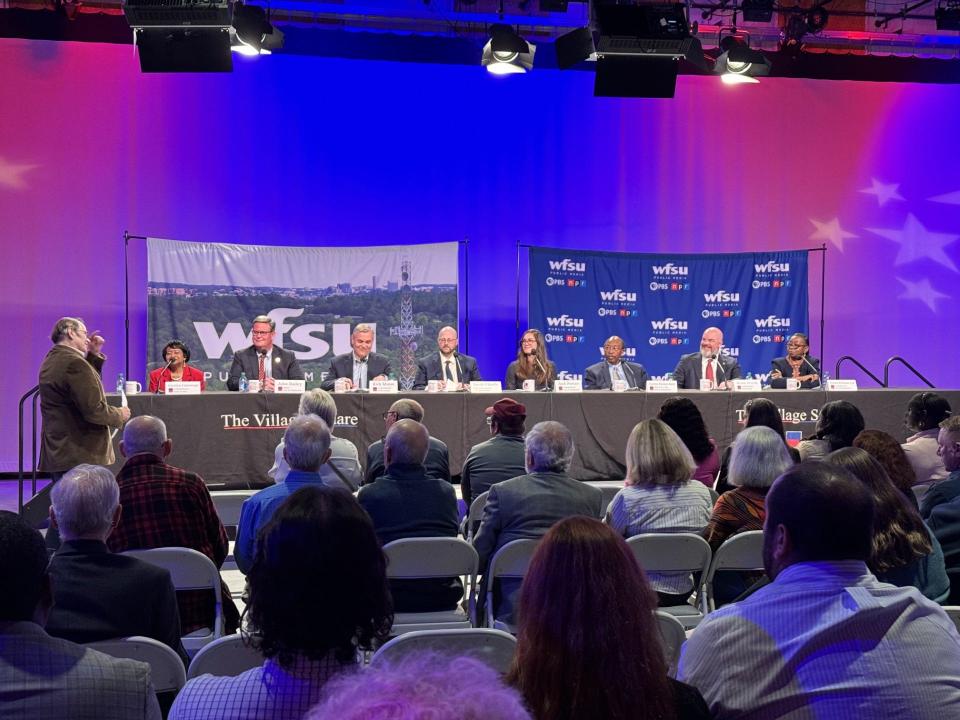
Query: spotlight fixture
[(506, 52), (947, 15), (757, 10), (738, 63), (252, 32)]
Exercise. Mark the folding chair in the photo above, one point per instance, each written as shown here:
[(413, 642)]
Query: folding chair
[(228, 504), (432, 557), (953, 612), (510, 561), (673, 635), (492, 647), (743, 551), (189, 570), (226, 656), (675, 552), (166, 667), (474, 515), (609, 488)]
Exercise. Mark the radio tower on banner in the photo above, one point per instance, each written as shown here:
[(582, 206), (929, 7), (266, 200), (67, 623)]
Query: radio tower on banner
[(406, 330)]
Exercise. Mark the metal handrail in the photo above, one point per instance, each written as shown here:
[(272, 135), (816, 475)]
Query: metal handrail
[(31, 395), (911, 368), (851, 358)]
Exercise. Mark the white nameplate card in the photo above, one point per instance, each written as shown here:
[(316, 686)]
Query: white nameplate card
[(486, 386), (620, 386), (182, 387), (791, 384), (384, 386), (567, 385), (290, 386), (669, 386), (744, 385), (843, 385)]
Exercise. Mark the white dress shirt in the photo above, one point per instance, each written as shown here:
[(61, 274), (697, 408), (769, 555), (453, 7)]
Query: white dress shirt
[(827, 641)]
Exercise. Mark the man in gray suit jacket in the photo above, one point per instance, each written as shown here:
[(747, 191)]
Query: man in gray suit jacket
[(359, 366), (527, 506), (601, 375), (447, 365), (278, 364), (708, 363)]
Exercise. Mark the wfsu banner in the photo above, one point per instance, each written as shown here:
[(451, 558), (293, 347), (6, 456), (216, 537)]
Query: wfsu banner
[(661, 304), (207, 294)]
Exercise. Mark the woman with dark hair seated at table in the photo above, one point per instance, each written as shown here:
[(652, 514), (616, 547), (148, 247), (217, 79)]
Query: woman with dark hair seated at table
[(757, 412), (885, 449), (685, 419), (905, 552), (839, 423), (588, 644), (175, 355), (796, 364), (531, 363), (318, 596)]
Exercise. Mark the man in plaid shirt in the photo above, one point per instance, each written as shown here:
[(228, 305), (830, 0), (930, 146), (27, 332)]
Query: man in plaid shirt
[(164, 506)]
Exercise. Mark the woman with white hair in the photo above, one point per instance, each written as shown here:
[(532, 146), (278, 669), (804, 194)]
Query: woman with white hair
[(343, 467)]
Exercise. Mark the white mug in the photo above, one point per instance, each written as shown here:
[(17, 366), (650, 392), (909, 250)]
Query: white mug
[(253, 386), (529, 385), (706, 384), (433, 386), (132, 387), (792, 384), (340, 384)]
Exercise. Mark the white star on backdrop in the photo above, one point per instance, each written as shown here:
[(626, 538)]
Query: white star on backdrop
[(950, 198), (923, 291), (916, 243), (831, 231), (11, 175), (885, 192)]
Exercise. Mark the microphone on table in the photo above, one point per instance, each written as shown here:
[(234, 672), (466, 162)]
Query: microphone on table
[(165, 368), (720, 364), (811, 366)]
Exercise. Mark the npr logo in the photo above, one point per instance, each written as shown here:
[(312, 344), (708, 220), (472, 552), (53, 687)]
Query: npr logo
[(669, 324), (671, 269), (568, 265), (721, 296), (772, 267), (617, 295), (771, 321), (565, 321)]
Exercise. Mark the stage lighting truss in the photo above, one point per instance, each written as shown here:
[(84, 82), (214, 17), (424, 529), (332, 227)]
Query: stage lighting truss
[(947, 15), (506, 52)]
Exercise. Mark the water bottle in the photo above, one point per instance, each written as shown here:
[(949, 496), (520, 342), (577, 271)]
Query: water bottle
[(244, 383), (121, 383), (824, 377)]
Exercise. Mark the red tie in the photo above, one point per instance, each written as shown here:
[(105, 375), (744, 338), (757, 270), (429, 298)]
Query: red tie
[(709, 373), (263, 373)]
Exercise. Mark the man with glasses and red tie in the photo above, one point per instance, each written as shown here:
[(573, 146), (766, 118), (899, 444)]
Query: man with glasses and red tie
[(263, 360), (708, 364)]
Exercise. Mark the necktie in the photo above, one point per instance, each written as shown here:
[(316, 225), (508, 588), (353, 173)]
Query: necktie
[(449, 372), (709, 373), (262, 373)]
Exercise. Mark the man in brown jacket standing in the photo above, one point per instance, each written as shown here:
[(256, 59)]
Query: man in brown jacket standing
[(76, 416)]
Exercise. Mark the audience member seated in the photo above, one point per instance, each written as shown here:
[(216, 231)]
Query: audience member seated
[(905, 552), (588, 644), (165, 506), (949, 451), (406, 503), (684, 418), (885, 449), (660, 497), (528, 505), (318, 595), (925, 412), (839, 423), (825, 639), (438, 459), (306, 448), (343, 467), (47, 678), (499, 458), (421, 686), (531, 363), (97, 594), (759, 457), (758, 411)]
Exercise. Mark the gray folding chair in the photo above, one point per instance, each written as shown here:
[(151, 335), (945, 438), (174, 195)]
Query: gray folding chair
[(492, 647), (609, 488), (953, 612), (433, 557), (227, 656), (189, 570), (166, 667), (474, 515), (672, 635), (743, 552), (674, 552), (510, 561), (228, 504)]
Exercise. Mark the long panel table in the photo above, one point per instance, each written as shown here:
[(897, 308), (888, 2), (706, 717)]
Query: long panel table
[(229, 438)]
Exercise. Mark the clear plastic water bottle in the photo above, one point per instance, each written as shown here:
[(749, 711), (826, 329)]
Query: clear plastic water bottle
[(244, 384), (121, 383), (824, 377)]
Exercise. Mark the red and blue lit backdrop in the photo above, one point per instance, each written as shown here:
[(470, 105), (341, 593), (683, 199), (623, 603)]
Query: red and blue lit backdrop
[(303, 150)]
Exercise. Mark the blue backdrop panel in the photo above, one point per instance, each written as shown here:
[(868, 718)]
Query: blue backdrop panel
[(661, 304)]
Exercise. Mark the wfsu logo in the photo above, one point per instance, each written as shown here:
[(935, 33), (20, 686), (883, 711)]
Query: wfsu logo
[(669, 324), (568, 265), (772, 321), (721, 296), (771, 267), (618, 295), (565, 321), (671, 269)]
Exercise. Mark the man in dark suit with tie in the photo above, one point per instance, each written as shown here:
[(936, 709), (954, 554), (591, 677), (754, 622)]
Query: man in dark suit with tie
[(613, 367), (359, 366), (707, 364), (448, 365), (263, 360)]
